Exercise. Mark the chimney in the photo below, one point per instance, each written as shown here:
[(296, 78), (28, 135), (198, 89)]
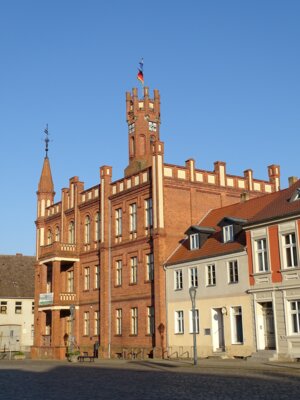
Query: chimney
[(244, 197), (292, 180)]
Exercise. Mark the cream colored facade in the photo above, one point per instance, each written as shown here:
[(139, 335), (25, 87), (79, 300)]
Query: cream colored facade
[(224, 309)]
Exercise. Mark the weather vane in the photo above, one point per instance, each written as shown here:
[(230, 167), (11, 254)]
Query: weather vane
[(47, 140)]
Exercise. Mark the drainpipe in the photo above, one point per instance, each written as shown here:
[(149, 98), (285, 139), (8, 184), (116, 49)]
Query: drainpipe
[(167, 325), (109, 280)]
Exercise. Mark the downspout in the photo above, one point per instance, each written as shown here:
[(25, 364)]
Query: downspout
[(109, 279), (167, 325)]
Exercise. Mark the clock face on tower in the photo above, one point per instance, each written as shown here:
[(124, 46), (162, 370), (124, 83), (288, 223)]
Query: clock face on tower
[(152, 126), (131, 128)]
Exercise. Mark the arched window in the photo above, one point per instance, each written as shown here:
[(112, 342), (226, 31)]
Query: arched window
[(49, 237), (87, 227), (71, 232), (132, 147), (97, 226), (57, 234)]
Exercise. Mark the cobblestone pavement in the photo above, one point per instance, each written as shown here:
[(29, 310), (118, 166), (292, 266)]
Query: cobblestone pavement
[(136, 380)]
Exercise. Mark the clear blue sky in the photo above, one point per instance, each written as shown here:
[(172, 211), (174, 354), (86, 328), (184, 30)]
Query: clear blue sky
[(227, 71)]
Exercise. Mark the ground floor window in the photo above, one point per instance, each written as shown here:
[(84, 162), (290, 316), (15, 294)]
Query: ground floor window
[(295, 316), (237, 325), (179, 326)]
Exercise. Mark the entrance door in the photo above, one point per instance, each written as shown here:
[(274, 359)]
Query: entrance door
[(218, 339), (269, 329)]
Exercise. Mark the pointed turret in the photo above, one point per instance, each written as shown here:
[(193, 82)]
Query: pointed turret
[(46, 182)]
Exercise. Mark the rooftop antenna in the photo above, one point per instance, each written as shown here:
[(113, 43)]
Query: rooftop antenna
[(47, 140)]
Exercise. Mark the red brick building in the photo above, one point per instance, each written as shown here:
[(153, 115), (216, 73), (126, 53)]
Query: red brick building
[(101, 250)]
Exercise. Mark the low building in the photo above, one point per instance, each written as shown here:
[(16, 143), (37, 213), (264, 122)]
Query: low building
[(16, 302)]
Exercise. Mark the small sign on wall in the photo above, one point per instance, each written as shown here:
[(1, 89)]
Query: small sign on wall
[(207, 331)]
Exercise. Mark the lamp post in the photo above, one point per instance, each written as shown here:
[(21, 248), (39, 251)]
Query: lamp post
[(193, 292), (72, 311)]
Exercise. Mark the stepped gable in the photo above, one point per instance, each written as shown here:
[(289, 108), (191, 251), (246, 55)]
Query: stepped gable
[(17, 276)]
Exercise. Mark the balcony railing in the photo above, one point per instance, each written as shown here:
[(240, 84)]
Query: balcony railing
[(59, 249), (67, 297)]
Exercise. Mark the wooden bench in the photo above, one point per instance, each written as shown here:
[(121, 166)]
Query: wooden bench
[(86, 357)]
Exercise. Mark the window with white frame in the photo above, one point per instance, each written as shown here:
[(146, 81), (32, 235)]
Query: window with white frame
[(87, 278), (119, 321), (228, 233), (71, 233), (193, 272), (132, 218), (149, 267), (57, 234), (179, 322), (3, 307), (178, 279), (148, 213), (236, 325), (97, 226), (150, 320), (96, 323), (295, 316), (290, 250), (87, 228), (196, 321), (70, 281), (133, 270), (118, 222), (119, 272), (261, 255), (233, 271), (134, 321), (97, 277), (211, 275), (86, 323), (194, 241), (18, 307)]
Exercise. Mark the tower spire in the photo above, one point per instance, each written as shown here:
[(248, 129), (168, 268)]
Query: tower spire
[(46, 140)]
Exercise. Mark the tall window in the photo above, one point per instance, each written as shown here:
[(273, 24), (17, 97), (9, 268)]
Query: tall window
[(134, 321), (193, 277), (211, 275), (290, 248), (32, 307), (87, 229), (3, 307), (233, 271), (119, 321), (97, 277), (196, 321), (118, 220), (119, 272), (49, 236), (57, 234), (87, 278), (148, 213), (86, 323), (150, 320), (178, 279), (70, 278), (150, 267), (18, 307), (97, 227), (228, 233), (71, 232), (96, 323), (261, 255), (237, 325), (133, 270), (179, 324), (194, 241), (132, 218), (295, 316)]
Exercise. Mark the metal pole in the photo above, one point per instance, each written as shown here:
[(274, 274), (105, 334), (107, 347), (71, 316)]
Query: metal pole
[(193, 297)]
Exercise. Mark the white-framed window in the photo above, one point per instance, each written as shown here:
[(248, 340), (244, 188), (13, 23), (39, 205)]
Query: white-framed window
[(150, 320), (134, 321), (97, 277), (178, 279), (132, 218), (261, 255), (149, 267), (227, 233), (148, 213), (3, 307), (87, 229), (211, 275), (133, 270), (194, 241), (290, 250), (196, 321), (87, 278), (86, 323), (97, 226), (119, 272), (57, 234), (71, 232), (118, 221), (236, 325), (119, 321), (233, 271), (96, 323), (70, 281), (193, 272), (295, 316), (179, 321), (18, 307)]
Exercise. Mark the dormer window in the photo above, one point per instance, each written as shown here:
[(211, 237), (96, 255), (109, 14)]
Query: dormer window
[(296, 195), (194, 241), (227, 233)]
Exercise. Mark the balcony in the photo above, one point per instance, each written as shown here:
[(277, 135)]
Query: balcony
[(58, 249), (67, 298)]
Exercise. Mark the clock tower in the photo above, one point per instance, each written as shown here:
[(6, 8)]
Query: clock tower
[(143, 119)]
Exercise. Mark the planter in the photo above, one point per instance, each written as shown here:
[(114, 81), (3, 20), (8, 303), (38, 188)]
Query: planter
[(19, 357), (73, 358)]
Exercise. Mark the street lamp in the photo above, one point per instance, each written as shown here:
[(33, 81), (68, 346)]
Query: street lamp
[(72, 341), (193, 292)]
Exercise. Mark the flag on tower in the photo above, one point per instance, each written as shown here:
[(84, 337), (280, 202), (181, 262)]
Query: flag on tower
[(140, 74)]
